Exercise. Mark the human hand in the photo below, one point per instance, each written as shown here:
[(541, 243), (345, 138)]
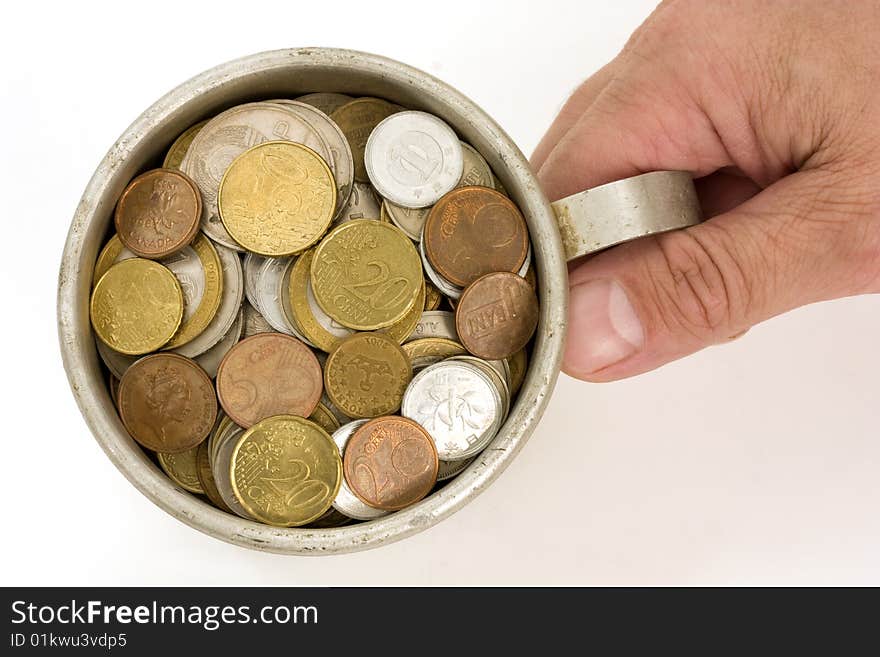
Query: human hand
[(775, 108)]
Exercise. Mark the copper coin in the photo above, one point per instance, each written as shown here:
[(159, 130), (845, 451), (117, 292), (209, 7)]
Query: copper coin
[(390, 462), (269, 374), (158, 213), (496, 315), (473, 231), (167, 403)]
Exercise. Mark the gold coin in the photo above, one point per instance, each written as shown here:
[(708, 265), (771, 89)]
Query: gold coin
[(357, 120), (178, 149), (209, 303), (285, 471), (367, 375), (433, 297), (136, 306), (325, 335), (206, 478), (519, 364), (402, 329), (183, 469), (324, 418), (427, 351), (277, 198), (384, 217), (107, 257), (366, 274)]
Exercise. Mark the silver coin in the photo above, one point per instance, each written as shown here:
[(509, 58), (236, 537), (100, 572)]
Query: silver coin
[(343, 163), (447, 288), (251, 268), (435, 324), (413, 158), (362, 204), (117, 363), (230, 134), (223, 449), (254, 322), (526, 263), (228, 311), (270, 293), (458, 404), (284, 296), (346, 501), (476, 170), (497, 376), (210, 360), (326, 102), (449, 469)]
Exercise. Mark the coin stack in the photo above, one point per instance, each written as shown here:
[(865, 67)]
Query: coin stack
[(317, 310)]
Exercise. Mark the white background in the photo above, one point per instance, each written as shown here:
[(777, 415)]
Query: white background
[(752, 463)]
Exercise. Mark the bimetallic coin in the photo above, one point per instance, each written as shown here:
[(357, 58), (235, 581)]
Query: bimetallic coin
[(324, 418), (177, 151), (448, 289), (277, 198), (321, 329), (497, 315), (473, 231), (390, 463), (230, 134), (268, 374), (436, 324), (136, 307), (413, 158), (182, 468), (475, 170), (158, 213), (286, 471), (367, 375), (201, 278), (450, 469), (167, 403), (231, 293), (326, 102), (519, 365), (211, 359), (206, 478), (345, 501), (254, 322), (221, 470), (362, 204), (427, 351), (366, 275), (459, 406), (357, 120)]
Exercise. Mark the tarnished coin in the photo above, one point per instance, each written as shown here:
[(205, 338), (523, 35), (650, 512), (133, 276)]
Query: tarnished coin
[(177, 151), (254, 322), (321, 329), (113, 386), (331, 518), (268, 374), (347, 502), (211, 359), (497, 315), (390, 463), (450, 469), (362, 204), (183, 469), (343, 164), (116, 362), (436, 324), (413, 158), (136, 306), (427, 351), (473, 231), (201, 278), (409, 220), (326, 102), (277, 198), (367, 375), (357, 120), (324, 418), (230, 134), (206, 478), (366, 275), (158, 213), (286, 471), (475, 170), (519, 365), (167, 403), (459, 406), (221, 469), (231, 293), (498, 185)]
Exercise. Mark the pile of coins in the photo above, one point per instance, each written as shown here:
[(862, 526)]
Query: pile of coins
[(317, 310)]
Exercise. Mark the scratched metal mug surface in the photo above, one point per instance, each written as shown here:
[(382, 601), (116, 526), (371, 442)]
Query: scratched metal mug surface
[(287, 74)]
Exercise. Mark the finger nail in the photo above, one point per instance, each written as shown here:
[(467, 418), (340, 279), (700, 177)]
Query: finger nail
[(603, 328)]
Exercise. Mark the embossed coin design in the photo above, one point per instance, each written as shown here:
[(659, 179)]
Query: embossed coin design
[(177, 151), (390, 462), (427, 351), (367, 375), (167, 403), (277, 198), (347, 502), (474, 231), (183, 469), (318, 326), (497, 315), (357, 120), (136, 306), (268, 374), (362, 204), (285, 471), (158, 213), (413, 158), (366, 274), (199, 310)]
